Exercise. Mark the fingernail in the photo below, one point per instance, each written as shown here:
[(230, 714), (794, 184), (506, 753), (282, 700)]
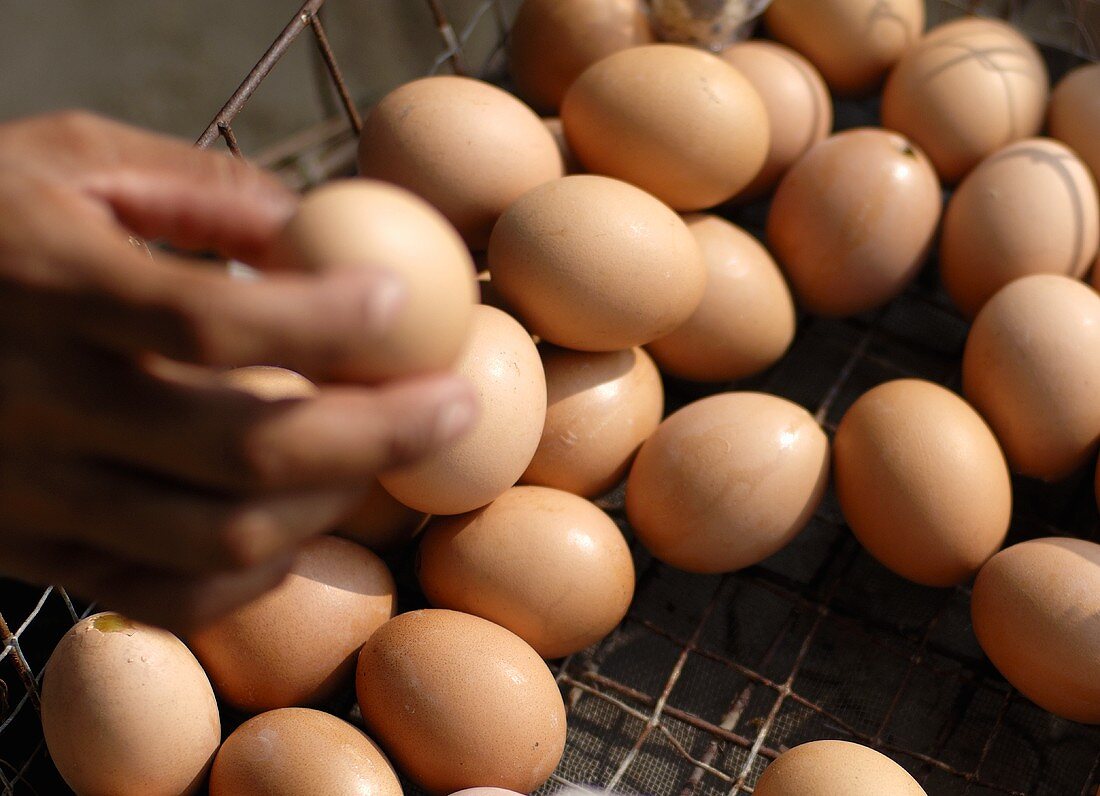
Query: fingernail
[(455, 419), (385, 298)]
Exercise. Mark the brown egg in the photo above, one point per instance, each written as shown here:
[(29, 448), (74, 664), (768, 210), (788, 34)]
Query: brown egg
[(1032, 367), (1074, 115), (1035, 607), (835, 768), (485, 792), (296, 645), (922, 482), (853, 220), (853, 42), (727, 481), (381, 522), (746, 319), (460, 702), (595, 264), (800, 111), (503, 363), (1030, 208), (546, 564), (572, 165), (553, 41), (359, 223), (968, 88), (469, 148), (298, 752), (271, 384), (126, 708), (676, 121)]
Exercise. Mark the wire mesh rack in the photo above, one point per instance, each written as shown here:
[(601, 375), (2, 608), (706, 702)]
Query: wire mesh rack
[(709, 678)]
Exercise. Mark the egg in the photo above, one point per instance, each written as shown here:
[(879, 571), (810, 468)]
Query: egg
[(746, 320), (297, 752), (922, 482), (503, 364), (595, 264), (459, 702), (1074, 114), (351, 224), (1034, 608), (268, 383), (727, 481), (1030, 208), (853, 221), (853, 42), (548, 565), (571, 164), (968, 88), (552, 41), (381, 522), (126, 708), (1031, 366), (296, 644), (835, 768), (601, 406), (485, 792), (469, 148), (676, 121), (800, 111)]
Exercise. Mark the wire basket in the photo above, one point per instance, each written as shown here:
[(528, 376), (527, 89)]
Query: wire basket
[(709, 678)]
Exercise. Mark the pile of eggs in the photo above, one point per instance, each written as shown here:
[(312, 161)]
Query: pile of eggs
[(604, 271)]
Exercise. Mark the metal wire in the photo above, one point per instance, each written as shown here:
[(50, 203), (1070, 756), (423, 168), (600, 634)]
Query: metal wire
[(710, 678)]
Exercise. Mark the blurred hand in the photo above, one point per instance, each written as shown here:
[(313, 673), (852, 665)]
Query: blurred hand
[(152, 487)]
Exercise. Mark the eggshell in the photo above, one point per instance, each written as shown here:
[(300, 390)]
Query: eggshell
[(800, 111), (298, 751), (503, 364), (727, 481), (126, 708), (485, 792), (546, 564), (746, 320), (554, 125), (1030, 208), (852, 42), (1035, 607), (1031, 366), (922, 482), (381, 522), (469, 148), (296, 645), (595, 264), (365, 224), (1074, 115), (460, 702), (553, 41), (268, 383), (600, 408), (835, 768), (676, 121), (853, 220), (968, 88)]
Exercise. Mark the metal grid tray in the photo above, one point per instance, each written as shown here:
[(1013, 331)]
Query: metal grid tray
[(710, 677)]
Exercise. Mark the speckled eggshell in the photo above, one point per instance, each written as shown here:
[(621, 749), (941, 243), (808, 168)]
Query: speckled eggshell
[(1030, 208), (296, 645), (922, 482), (504, 366), (351, 224), (469, 148), (746, 320), (1035, 607), (835, 768), (552, 41), (727, 481), (595, 264), (852, 42), (459, 702), (676, 121), (800, 111), (381, 522), (853, 220), (1074, 115), (298, 752), (968, 88), (601, 406), (126, 708), (548, 565), (1031, 366)]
